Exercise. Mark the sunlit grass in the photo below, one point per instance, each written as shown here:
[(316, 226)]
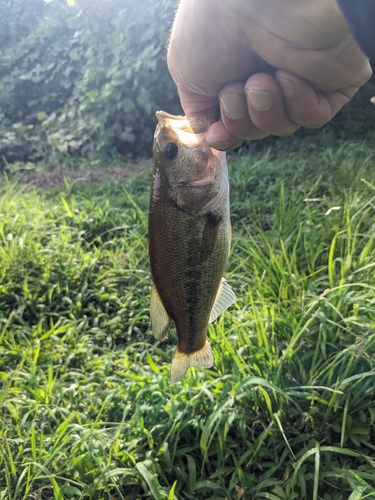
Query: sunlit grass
[(286, 412)]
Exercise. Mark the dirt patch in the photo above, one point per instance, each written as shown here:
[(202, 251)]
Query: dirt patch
[(55, 178)]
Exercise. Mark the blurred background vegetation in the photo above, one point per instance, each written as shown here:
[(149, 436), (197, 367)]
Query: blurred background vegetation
[(84, 81)]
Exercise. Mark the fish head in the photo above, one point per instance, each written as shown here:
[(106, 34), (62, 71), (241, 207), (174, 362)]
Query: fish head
[(193, 175)]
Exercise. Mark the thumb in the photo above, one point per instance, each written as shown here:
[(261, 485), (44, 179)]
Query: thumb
[(196, 104)]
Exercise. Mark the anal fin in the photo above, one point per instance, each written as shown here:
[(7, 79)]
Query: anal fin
[(182, 362), (160, 319), (224, 298)]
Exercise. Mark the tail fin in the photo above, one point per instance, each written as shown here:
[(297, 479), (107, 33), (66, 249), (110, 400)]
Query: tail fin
[(182, 362)]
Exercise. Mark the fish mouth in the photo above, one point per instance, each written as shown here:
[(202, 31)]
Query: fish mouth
[(187, 138), (190, 131), (198, 182), (198, 125)]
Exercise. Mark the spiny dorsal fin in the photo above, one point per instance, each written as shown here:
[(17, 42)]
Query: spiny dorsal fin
[(160, 319), (182, 362), (224, 298)]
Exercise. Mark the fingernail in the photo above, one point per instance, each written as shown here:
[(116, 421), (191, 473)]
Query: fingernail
[(233, 105), (227, 145), (287, 87), (199, 124), (259, 99)]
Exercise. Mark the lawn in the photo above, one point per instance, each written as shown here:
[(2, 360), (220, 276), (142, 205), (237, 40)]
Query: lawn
[(288, 409)]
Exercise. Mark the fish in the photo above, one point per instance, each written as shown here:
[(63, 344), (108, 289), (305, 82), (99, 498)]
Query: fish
[(189, 237)]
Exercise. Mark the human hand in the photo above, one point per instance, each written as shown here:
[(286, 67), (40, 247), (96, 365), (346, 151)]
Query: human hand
[(223, 57)]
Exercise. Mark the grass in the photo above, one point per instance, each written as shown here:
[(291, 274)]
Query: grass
[(288, 409)]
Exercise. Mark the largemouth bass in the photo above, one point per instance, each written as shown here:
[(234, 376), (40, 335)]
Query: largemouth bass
[(189, 238)]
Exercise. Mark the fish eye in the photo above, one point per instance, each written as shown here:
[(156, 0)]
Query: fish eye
[(171, 150)]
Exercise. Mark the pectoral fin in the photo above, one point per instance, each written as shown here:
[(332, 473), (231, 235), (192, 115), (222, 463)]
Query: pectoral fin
[(160, 319), (224, 298), (181, 362)]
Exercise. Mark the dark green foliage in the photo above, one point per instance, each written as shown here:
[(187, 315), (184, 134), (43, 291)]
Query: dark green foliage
[(85, 79)]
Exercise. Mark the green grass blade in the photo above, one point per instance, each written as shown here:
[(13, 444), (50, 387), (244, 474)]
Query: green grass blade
[(150, 480)]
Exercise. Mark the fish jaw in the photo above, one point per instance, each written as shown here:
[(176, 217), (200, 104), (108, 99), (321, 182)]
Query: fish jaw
[(196, 125), (212, 189)]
